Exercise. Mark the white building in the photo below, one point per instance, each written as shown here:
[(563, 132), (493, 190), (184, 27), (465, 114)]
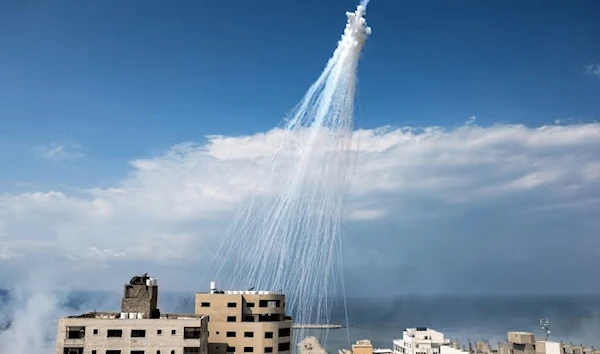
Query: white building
[(447, 349), (420, 340)]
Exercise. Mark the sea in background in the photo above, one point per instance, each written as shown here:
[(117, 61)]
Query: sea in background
[(573, 319)]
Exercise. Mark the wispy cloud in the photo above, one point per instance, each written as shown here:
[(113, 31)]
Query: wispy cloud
[(593, 69), (60, 151)]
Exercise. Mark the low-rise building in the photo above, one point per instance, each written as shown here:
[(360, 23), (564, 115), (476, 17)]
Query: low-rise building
[(245, 321), (139, 328), (420, 340)]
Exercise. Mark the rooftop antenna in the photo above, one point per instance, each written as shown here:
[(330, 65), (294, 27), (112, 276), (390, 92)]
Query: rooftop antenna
[(545, 323)]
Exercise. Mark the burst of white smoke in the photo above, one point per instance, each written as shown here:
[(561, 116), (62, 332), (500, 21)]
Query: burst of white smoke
[(290, 241)]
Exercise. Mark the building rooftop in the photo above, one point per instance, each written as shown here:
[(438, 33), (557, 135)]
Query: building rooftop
[(131, 316)]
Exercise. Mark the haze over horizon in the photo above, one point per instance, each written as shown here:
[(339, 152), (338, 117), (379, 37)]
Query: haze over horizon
[(130, 132)]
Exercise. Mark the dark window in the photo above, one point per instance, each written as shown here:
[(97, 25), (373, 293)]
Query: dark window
[(191, 332), (138, 333), (95, 331), (231, 304), (73, 350), (250, 304), (205, 304), (75, 332), (283, 347), (159, 331), (284, 332), (173, 332), (191, 350), (137, 352), (172, 351), (248, 319), (269, 303), (249, 334), (158, 352), (268, 349), (113, 352), (230, 334), (268, 334), (230, 350), (112, 333), (94, 351), (248, 349), (230, 318), (272, 317)]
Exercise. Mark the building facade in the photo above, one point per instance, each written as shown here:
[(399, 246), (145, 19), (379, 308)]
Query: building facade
[(420, 340), (139, 328), (245, 321)]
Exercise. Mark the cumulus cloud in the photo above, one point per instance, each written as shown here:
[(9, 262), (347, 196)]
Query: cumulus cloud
[(409, 184), (60, 152)]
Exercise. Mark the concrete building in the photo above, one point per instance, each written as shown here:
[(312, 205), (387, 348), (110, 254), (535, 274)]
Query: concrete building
[(448, 349), (420, 340), (139, 328), (245, 321), (364, 347)]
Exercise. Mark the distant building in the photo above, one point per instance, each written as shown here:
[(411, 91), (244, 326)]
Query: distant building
[(364, 347), (245, 321), (139, 328), (448, 349), (420, 340)]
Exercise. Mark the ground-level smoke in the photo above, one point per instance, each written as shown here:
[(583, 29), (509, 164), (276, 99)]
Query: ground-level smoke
[(287, 237)]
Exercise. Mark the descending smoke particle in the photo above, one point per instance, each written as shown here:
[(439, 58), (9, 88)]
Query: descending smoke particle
[(287, 237)]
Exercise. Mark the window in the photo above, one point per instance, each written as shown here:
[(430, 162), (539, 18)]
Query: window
[(231, 304), (95, 331), (250, 304), (248, 319), (230, 334), (191, 332), (191, 350), (268, 334), (113, 352), (137, 352), (230, 350), (268, 349), (248, 350), (173, 332), (230, 318), (158, 352), (268, 303), (284, 332), (205, 304), (172, 351), (73, 350), (159, 332), (75, 332), (283, 347), (114, 333), (249, 334), (94, 351), (138, 333)]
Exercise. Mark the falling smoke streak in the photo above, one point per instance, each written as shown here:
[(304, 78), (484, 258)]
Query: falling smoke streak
[(287, 237)]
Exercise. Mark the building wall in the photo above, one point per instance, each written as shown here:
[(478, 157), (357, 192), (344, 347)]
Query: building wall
[(159, 335), (446, 349), (242, 315), (419, 341)]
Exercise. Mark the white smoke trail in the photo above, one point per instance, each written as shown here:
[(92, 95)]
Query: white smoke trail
[(287, 237)]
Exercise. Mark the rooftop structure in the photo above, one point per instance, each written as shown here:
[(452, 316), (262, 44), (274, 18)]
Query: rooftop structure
[(420, 340), (245, 321), (139, 328)]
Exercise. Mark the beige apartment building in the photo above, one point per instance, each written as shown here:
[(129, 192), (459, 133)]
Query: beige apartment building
[(139, 328), (245, 321)]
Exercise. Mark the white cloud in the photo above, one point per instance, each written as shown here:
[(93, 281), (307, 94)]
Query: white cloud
[(593, 69), (60, 152), (172, 207)]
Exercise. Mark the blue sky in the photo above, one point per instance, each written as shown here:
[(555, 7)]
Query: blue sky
[(130, 78), (98, 95)]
